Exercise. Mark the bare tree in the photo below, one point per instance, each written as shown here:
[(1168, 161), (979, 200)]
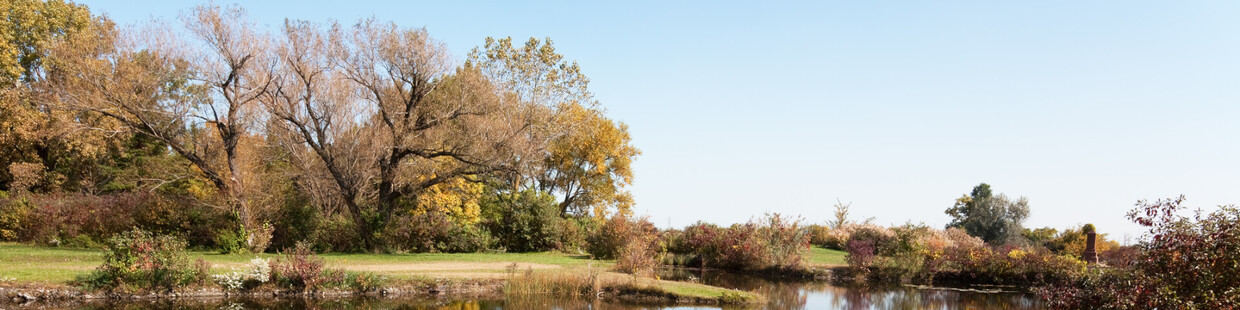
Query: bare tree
[(841, 214), (238, 71), (384, 114), (199, 103)]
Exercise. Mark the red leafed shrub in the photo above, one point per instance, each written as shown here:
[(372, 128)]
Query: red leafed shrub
[(860, 253), (79, 219), (84, 220), (775, 242), (1120, 257), (300, 269)]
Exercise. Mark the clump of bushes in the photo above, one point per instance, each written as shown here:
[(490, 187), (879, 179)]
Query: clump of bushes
[(1187, 263), (87, 221), (248, 277), (775, 242), (436, 232), (837, 238), (913, 253), (1071, 241), (527, 221), (617, 232), (139, 260)]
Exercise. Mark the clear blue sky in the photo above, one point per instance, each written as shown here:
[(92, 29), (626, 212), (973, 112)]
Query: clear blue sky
[(1084, 107)]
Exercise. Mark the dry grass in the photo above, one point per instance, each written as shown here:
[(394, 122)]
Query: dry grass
[(596, 283)]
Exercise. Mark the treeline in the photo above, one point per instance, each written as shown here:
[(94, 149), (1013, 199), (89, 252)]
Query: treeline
[(362, 137)]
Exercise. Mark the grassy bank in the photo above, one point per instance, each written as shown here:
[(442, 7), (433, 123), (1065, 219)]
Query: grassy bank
[(46, 266)]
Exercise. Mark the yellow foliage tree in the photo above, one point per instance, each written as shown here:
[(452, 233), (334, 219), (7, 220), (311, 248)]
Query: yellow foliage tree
[(458, 198), (588, 156), (35, 132), (590, 164)]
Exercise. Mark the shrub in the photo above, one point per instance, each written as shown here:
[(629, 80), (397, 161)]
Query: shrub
[(616, 233), (860, 253), (881, 238), (140, 260), (1121, 256), (437, 232), (1099, 288), (737, 247), (202, 271), (364, 282), (642, 254), (300, 269), (819, 235), (606, 242), (230, 241), (92, 219), (837, 238), (786, 242), (525, 221), (773, 243), (337, 234), (574, 233), (295, 222), (248, 277), (14, 216)]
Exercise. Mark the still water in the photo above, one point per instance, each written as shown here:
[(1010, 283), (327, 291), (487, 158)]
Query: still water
[(781, 295)]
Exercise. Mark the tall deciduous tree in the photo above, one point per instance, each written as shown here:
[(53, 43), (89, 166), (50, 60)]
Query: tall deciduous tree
[(386, 115), (590, 164), (198, 102), (588, 156), (43, 144)]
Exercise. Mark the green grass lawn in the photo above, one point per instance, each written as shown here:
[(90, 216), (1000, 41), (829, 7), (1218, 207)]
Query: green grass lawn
[(819, 256), (21, 263)]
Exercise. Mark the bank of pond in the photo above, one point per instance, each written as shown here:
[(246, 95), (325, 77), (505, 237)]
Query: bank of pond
[(461, 294)]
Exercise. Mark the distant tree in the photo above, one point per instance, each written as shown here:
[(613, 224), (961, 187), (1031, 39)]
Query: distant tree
[(841, 214), (1040, 236), (994, 219)]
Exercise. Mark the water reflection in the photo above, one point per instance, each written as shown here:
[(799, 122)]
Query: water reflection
[(782, 295), (789, 295)]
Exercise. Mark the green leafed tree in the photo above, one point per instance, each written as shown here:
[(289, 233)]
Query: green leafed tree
[(994, 219)]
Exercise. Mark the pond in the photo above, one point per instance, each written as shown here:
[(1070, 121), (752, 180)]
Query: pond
[(781, 294)]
